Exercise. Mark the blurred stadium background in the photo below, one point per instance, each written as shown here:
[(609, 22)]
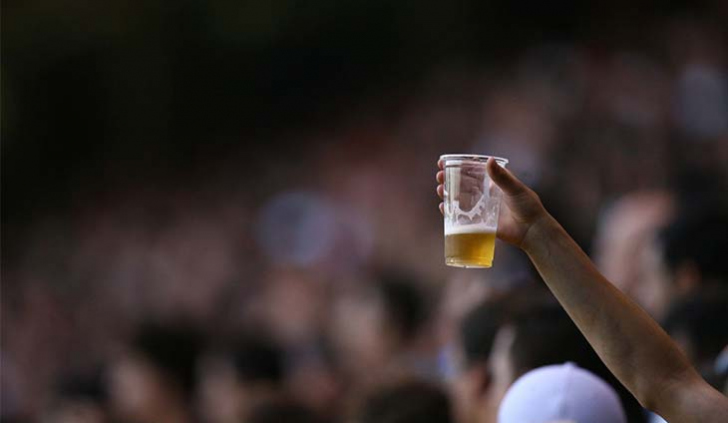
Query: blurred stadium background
[(269, 166)]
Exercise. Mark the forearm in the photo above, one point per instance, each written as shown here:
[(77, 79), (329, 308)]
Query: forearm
[(631, 344)]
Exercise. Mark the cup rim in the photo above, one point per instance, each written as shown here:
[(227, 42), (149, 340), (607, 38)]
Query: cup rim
[(472, 157)]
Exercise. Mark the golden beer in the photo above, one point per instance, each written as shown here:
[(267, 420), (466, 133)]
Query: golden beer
[(472, 248)]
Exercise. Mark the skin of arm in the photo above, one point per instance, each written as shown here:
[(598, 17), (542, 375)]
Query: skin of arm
[(632, 345)]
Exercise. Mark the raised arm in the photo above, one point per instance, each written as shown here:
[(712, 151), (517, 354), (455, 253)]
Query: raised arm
[(632, 345)]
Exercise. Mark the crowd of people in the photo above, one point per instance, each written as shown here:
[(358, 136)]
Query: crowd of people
[(307, 284)]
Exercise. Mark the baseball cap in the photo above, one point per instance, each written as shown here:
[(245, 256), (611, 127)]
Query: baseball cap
[(560, 393)]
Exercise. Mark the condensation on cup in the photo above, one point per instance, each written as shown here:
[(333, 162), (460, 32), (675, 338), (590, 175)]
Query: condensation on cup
[(472, 203)]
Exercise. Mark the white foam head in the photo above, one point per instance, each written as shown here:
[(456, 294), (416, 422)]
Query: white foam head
[(475, 228)]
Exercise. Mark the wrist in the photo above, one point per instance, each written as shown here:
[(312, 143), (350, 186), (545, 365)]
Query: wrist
[(540, 231)]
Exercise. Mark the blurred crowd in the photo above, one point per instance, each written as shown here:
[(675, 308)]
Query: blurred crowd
[(307, 283)]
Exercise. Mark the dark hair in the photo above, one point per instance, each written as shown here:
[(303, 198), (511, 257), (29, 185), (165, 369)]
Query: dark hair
[(256, 359), (406, 402), (546, 335), (281, 410), (543, 332), (703, 318), (173, 350), (699, 236), (404, 302)]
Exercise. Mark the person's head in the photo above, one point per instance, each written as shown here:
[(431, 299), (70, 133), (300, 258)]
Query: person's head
[(531, 331), (406, 402), (541, 333), (699, 323), (156, 374), (373, 323), (561, 393), (236, 377), (505, 337)]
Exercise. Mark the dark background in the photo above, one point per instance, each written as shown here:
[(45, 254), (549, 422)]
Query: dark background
[(100, 95)]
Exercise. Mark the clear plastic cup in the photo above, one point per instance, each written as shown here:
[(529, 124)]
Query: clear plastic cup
[(472, 203)]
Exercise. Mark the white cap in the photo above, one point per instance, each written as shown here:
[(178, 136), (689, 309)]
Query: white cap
[(560, 393)]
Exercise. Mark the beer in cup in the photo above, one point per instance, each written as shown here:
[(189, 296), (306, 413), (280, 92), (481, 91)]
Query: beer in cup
[(472, 202)]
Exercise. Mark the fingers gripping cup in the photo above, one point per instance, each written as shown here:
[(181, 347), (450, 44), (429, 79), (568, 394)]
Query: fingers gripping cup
[(472, 203)]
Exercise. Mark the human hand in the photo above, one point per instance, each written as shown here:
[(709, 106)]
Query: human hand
[(520, 211)]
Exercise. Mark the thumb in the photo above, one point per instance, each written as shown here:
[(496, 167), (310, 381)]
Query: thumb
[(505, 179)]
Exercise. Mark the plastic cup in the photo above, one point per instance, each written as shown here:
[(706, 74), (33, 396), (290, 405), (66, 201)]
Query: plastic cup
[(472, 203)]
